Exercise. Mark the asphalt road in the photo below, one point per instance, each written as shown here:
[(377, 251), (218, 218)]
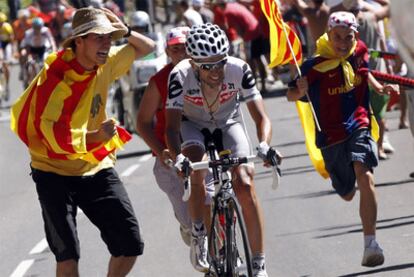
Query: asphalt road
[(309, 230)]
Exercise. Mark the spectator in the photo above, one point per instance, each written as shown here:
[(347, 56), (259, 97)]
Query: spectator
[(237, 16), (371, 33), (206, 13), (68, 130), (338, 89), (187, 16)]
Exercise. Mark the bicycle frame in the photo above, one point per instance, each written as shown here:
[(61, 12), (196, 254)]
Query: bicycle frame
[(228, 230), (224, 252)]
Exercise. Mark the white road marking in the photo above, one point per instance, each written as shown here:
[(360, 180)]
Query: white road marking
[(130, 170), (145, 158), (39, 248), (127, 172), (22, 268), (5, 117)]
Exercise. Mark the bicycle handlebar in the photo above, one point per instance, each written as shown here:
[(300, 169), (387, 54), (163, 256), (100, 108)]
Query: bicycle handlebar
[(227, 162)]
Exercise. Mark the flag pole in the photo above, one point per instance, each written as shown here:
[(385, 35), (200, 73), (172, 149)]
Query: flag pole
[(299, 73)]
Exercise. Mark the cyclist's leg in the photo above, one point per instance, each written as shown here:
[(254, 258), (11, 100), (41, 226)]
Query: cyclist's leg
[(235, 139), (244, 188), (7, 59)]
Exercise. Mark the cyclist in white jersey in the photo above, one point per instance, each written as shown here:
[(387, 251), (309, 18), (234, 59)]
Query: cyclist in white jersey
[(204, 94), (37, 41)]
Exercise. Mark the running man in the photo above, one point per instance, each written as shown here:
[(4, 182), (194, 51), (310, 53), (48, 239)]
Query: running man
[(337, 83), (61, 118), (151, 127)]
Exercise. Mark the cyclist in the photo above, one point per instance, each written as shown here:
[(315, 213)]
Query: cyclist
[(203, 94), (37, 41), (140, 22), (151, 127), (6, 40)]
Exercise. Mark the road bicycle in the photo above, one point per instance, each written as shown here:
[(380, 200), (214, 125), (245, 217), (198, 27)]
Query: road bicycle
[(229, 248)]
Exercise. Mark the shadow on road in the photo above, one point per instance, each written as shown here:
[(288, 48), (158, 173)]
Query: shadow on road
[(355, 226), (133, 154), (380, 226), (387, 184), (383, 269), (274, 93), (293, 143)]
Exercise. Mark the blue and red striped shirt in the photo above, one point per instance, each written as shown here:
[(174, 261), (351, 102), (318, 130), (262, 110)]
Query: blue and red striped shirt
[(339, 112)]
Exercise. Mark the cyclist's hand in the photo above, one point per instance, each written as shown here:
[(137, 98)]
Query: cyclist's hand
[(183, 165), (268, 154), (166, 159), (262, 151)]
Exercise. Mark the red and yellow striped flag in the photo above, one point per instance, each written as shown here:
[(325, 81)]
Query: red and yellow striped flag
[(280, 52), (52, 115)]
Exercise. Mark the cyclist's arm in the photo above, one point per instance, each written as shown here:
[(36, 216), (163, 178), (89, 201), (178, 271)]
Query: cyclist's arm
[(150, 103), (51, 40), (172, 131), (261, 120)]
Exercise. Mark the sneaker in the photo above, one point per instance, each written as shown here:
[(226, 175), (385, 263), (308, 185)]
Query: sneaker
[(373, 255), (259, 270), (185, 234), (198, 253), (386, 145)]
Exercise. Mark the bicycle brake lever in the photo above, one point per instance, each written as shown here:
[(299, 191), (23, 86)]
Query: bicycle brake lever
[(276, 173)]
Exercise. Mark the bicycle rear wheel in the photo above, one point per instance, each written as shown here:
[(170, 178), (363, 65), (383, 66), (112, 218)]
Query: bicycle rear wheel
[(229, 248)]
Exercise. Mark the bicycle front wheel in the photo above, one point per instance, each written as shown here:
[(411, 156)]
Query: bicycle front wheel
[(229, 247)]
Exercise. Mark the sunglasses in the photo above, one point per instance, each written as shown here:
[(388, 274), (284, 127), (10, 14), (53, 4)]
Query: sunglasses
[(211, 66)]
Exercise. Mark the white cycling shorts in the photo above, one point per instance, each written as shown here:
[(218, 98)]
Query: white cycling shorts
[(169, 182), (234, 138)]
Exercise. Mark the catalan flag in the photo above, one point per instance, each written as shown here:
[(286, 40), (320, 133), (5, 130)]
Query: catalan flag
[(53, 114), (280, 52)]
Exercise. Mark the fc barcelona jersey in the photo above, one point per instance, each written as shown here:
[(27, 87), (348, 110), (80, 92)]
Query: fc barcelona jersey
[(340, 112)]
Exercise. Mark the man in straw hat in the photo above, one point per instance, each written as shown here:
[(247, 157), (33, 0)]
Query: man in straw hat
[(336, 80), (61, 118)]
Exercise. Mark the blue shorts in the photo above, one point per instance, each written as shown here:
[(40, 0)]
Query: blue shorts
[(339, 158), (103, 199)]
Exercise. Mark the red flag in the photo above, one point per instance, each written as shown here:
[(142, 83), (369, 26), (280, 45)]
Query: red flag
[(280, 36)]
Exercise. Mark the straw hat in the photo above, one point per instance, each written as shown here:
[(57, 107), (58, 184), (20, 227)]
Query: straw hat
[(91, 20)]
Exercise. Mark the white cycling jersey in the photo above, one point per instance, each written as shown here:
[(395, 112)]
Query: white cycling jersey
[(30, 39), (184, 92)]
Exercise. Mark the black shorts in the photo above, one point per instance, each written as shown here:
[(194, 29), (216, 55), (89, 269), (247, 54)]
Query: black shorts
[(103, 199)]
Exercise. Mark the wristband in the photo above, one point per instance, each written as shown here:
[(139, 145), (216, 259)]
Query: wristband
[(128, 34), (264, 145), (179, 161)]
